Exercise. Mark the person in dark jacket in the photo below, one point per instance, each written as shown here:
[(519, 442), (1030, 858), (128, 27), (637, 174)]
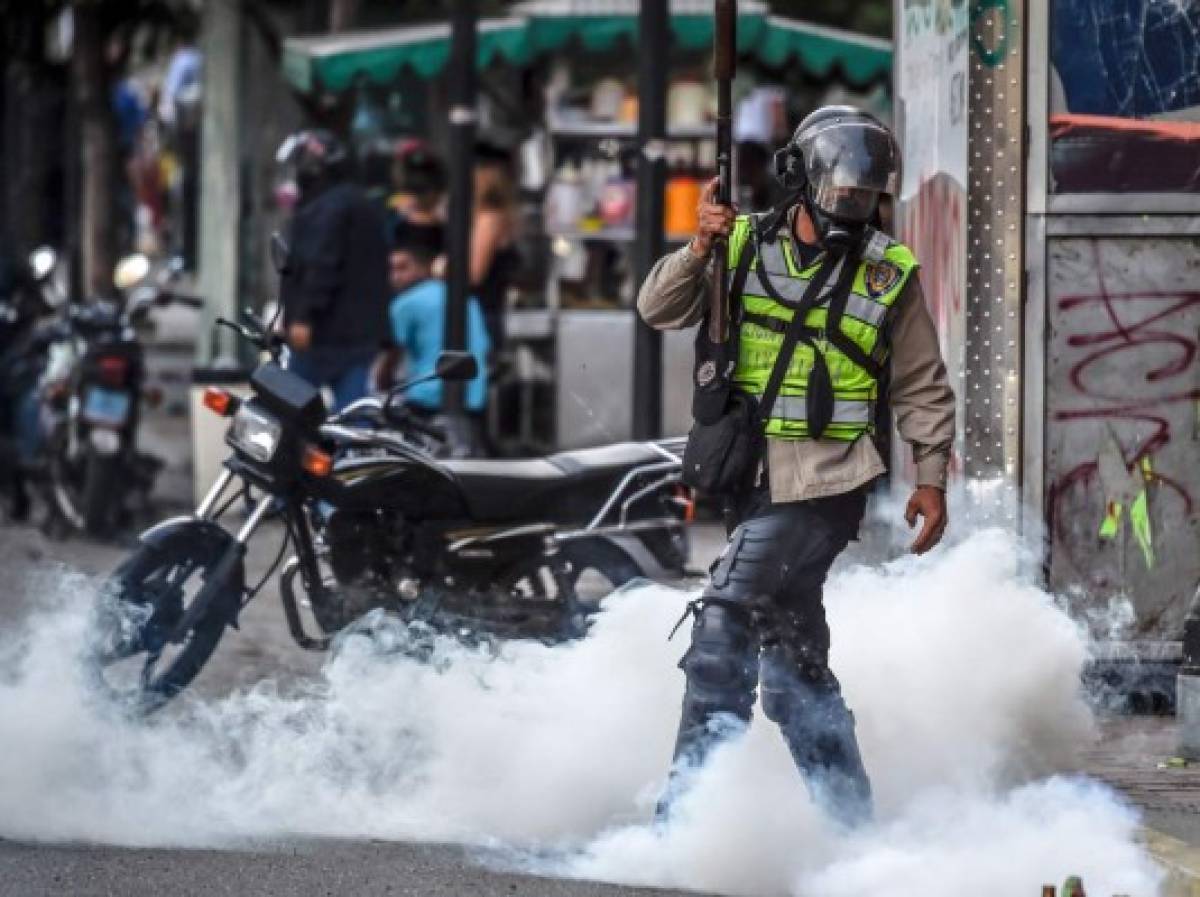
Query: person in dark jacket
[(335, 287)]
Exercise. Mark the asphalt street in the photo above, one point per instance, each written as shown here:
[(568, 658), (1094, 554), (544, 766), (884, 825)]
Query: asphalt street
[(295, 869)]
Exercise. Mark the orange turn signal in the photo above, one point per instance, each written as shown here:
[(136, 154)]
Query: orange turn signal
[(220, 401), (317, 462), (686, 500)]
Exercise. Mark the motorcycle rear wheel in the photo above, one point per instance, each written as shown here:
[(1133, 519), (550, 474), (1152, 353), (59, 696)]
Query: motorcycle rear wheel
[(589, 572), (142, 602), (102, 480), (66, 478)]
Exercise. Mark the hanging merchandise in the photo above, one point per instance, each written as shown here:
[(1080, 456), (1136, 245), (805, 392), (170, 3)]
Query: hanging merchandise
[(533, 160), (564, 201), (687, 105), (681, 208), (617, 201), (608, 96)]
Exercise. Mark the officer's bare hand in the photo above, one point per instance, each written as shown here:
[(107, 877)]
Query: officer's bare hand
[(928, 503), (300, 337), (715, 220)]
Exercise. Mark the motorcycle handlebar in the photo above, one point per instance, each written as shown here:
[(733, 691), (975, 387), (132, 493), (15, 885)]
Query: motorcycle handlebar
[(260, 339)]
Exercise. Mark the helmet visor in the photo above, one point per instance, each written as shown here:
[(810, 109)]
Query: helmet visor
[(849, 163), (846, 203)]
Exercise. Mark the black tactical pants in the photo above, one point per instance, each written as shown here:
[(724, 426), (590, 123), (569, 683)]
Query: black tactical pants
[(762, 619)]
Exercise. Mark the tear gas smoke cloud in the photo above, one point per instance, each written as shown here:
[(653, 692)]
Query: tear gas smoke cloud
[(962, 677)]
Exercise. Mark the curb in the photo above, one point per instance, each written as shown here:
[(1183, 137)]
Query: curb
[(1180, 860)]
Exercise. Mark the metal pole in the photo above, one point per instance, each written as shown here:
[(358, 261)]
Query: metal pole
[(220, 186), (462, 161), (653, 40)]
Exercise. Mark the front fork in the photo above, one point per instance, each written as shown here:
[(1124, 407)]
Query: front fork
[(306, 566), (216, 584)]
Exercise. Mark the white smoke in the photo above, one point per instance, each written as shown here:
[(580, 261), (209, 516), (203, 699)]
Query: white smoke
[(963, 678)]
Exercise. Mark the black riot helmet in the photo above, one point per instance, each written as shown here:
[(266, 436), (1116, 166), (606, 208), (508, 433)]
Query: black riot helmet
[(311, 157), (840, 160)]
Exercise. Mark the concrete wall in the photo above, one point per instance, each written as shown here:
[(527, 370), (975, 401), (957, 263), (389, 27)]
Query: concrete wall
[(1122, 424)]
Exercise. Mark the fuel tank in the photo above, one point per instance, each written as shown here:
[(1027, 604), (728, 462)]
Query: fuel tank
[(420, 490)]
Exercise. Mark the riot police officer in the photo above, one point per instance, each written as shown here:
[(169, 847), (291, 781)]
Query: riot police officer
[(761, 622)]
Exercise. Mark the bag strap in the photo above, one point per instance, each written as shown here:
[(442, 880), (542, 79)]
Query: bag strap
[(847, 346), (738, 285), (796, 329)]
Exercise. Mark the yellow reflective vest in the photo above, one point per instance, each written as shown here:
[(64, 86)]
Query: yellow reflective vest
[(854, 359)]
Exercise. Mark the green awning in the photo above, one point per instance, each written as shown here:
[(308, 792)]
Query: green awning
[(335, 62)]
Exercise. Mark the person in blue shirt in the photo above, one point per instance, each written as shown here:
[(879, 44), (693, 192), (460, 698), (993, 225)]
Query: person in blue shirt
[(418, 315)]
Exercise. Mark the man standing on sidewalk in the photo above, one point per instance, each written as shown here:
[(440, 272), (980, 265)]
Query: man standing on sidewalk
[(335, 287), (866, 340)]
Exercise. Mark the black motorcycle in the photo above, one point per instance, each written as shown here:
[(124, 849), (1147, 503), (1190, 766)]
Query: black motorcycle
[(92, 397), (468, 548), (30, 291)]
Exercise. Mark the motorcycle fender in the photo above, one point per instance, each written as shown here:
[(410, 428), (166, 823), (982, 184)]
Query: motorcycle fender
[(632, 547), (215, 544), (661, 558)]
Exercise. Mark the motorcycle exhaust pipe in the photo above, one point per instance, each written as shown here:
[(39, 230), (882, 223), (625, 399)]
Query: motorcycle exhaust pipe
[(291, 610)]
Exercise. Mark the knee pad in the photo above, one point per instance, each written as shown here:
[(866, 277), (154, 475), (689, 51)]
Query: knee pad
[(721, 665), (805, 694)]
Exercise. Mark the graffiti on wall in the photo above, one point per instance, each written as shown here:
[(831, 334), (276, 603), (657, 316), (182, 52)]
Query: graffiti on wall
[(933, 225), (1123, 395)]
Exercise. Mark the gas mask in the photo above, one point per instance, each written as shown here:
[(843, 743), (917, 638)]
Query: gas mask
[(840, 215)]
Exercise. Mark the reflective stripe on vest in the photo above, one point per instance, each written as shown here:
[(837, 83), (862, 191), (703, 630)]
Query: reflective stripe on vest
[(792, 289), (875, 289), (845, 411)]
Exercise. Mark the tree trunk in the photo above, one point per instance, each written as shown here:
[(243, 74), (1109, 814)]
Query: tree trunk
[(97, 147)]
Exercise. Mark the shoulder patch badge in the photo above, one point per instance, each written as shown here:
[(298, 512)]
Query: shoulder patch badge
[(880, 277), (706, 373)]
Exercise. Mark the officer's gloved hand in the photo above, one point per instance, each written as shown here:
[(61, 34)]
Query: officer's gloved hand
[(928, 502)]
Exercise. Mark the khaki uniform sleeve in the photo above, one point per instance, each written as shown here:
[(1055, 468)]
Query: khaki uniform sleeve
[(921, 399), (675, 291)]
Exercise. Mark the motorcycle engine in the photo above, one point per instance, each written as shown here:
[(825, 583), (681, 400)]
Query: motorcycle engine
[(366, 552), (364, 547)]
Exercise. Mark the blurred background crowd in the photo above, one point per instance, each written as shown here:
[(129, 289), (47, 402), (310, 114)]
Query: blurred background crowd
[(125, 144)]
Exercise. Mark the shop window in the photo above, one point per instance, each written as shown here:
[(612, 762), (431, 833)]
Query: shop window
[(1125, 96)]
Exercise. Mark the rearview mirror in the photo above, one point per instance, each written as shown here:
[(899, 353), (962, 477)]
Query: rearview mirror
[(456, 365), (280, 251)]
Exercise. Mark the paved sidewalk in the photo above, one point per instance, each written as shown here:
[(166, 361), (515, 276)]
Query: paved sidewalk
[(1136, 756)]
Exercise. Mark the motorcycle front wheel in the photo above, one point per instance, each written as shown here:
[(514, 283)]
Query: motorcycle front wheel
[(138, 658)]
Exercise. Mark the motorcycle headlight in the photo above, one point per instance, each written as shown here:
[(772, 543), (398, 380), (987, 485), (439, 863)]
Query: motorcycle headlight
[(256, 433)]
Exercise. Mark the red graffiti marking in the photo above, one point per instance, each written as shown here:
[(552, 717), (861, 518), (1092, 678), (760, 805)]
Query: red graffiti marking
[(932, 228), (1159, 372)]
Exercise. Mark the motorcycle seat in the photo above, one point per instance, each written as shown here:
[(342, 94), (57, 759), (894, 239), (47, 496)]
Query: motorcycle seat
[(564, 487)]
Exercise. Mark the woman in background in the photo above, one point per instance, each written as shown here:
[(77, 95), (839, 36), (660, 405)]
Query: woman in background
[(494, 258)]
